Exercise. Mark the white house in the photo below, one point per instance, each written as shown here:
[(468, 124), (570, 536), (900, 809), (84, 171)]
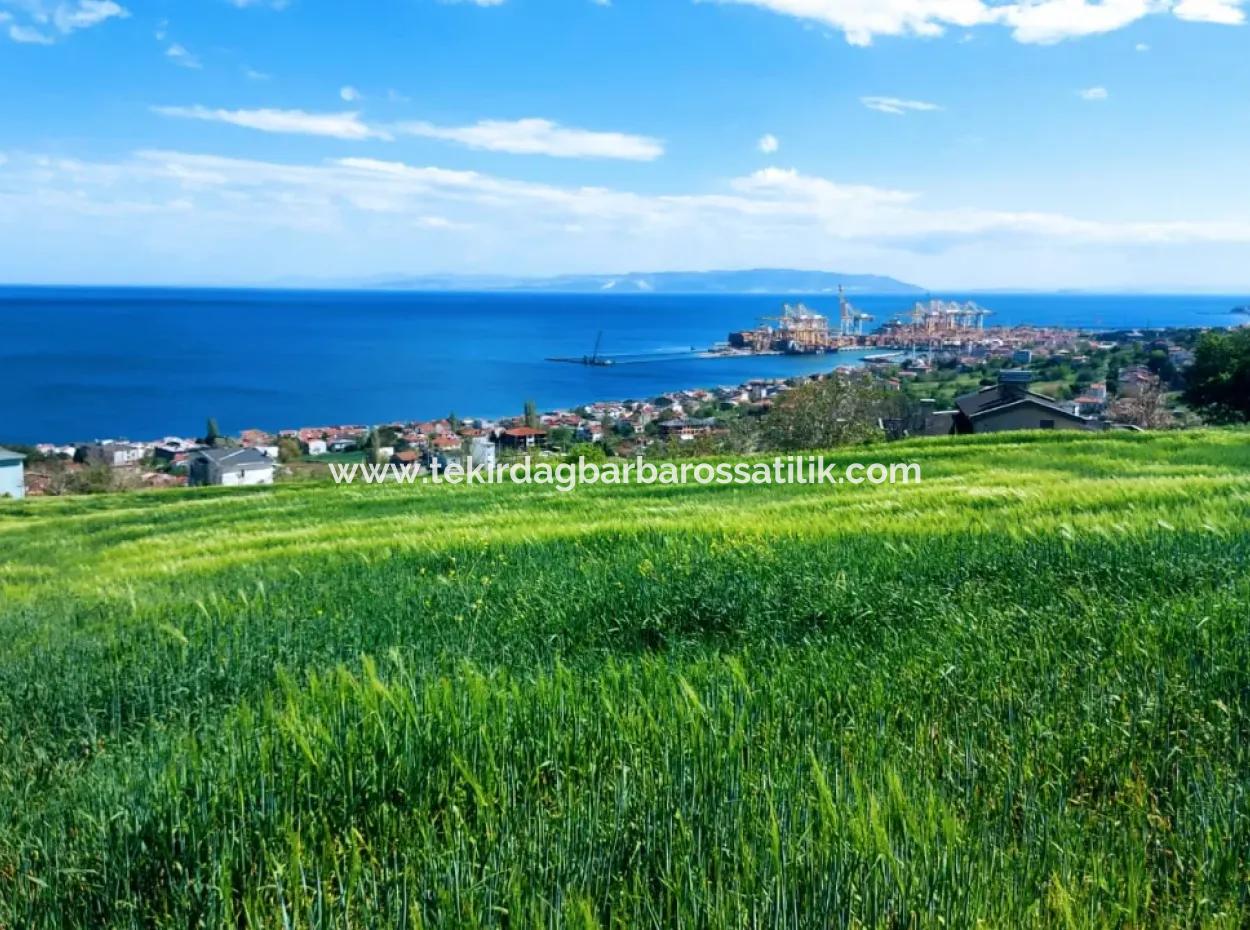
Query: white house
[(12, 474), (482, 452), (315, 447), (230, 467)]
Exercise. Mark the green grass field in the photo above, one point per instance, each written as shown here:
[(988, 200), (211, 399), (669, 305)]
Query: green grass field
[(1016, 695)]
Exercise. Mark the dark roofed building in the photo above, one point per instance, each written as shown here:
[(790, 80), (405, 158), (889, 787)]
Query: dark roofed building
[(1007, 405), (522, 437)]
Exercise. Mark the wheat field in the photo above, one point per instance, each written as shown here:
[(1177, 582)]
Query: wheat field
[(1015, 695)]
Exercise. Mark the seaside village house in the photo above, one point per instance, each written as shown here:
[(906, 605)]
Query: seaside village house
[(482, 452), (1136, 380), (445, 449), (1008, 405), (686, 429), (175, 451), (522, 438), (230, 467), (12, 475), (115, 454)]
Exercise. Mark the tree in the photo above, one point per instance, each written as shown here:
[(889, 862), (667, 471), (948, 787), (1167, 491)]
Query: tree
[(1219, 379), (531, 414), (821, 414), (1161, 364), (211, 434), (94, 479), (454, 422), (742, 436), (1146, 409), (289, 449), (560, 438), (590, 451), (373, 448)]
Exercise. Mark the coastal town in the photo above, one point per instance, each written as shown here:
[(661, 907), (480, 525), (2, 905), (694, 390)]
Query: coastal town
[(946, 371)]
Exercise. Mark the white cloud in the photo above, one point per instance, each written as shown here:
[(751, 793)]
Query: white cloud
[(86, 14), (335, 125), (1224, 12), (440, 222), (768, 144), (1093, 93), (788, 185), (770, 202), (525, 137), (253, 75), (349, 93), (863, 20), (897, 107), (1052, 21), (28, 35), (46, 22), (1032, 21), (1141, 47), (181, 204), (540, 137), (180, 56)]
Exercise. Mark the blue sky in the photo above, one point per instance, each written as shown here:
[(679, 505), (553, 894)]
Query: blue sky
[(954, 143)]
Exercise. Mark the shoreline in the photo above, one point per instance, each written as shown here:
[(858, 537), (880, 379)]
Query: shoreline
[(77, 370)]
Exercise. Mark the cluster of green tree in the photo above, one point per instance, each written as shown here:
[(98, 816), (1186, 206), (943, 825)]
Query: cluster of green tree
[(1062, 377), (820, 414), (1218, 382), (58, 477)]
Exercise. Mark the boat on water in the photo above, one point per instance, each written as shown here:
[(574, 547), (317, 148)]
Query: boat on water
[(594, 359)]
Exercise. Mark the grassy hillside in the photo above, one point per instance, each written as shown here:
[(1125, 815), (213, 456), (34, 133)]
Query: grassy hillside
[(1018, 693)]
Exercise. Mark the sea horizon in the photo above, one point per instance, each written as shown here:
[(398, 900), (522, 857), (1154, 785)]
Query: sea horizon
[(1238, 296)]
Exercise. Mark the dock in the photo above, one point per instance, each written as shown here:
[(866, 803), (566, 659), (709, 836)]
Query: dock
[(802, 331)]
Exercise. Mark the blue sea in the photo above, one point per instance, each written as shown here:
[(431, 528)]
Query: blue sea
[(84, 363)]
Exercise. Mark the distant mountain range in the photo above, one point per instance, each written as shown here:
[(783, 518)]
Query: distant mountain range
[(755, 281)]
